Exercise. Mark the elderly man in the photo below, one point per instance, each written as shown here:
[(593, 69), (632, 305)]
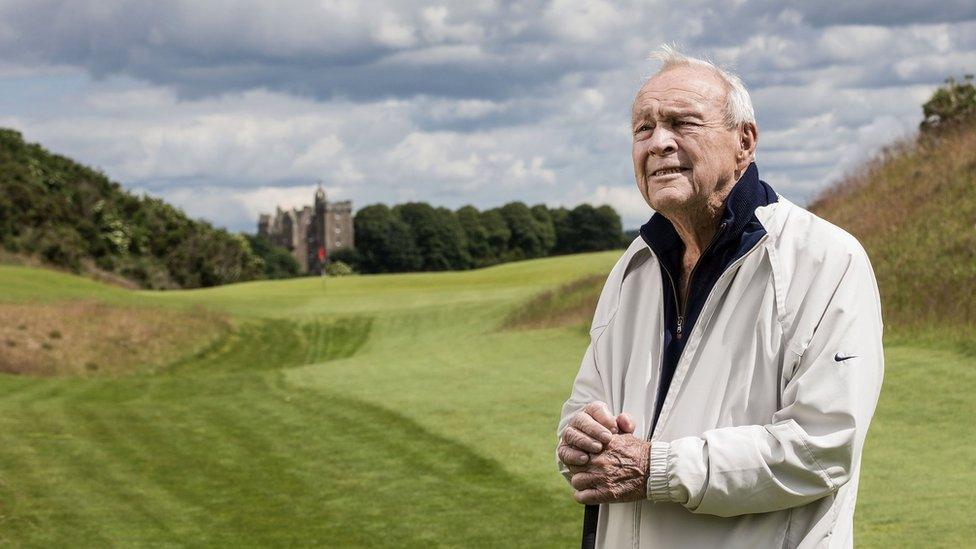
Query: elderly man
[(735, 356)]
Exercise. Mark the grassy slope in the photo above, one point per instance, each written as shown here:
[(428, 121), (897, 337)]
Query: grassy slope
[(436, 429), (914, 210)]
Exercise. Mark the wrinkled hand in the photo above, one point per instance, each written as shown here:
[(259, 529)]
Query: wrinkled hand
[(617, 474), (587, 432)]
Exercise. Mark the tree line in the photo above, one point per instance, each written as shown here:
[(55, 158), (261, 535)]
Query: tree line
[(419, 237), (74, 217)]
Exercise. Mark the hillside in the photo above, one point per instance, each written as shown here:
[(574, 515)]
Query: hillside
[(913, 207), (73, 217)]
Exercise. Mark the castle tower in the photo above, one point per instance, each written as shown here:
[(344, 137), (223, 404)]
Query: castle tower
[(318, 251), (311, 233), (338, 227)]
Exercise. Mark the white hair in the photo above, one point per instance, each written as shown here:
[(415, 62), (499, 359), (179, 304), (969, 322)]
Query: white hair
[(738, 104)]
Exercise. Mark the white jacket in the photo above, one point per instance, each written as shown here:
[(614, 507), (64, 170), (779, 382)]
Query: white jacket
[(759, 440)]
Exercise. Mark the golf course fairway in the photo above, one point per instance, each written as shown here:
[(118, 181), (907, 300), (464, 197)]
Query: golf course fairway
[(386, 410)]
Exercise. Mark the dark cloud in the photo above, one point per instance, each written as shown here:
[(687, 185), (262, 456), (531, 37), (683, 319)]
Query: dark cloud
[(884, 12), (396, 50)]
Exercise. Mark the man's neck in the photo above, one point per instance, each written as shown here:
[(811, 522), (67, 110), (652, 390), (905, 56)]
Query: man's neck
[(697, 222)]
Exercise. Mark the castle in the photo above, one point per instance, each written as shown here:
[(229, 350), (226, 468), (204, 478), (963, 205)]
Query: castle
[(311, 233)]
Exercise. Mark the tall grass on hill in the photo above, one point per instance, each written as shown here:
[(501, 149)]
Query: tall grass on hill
[(913, 208), (85, 338), (571, 304)]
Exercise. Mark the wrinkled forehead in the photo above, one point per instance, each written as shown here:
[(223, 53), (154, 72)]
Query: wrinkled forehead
[(682, 88)]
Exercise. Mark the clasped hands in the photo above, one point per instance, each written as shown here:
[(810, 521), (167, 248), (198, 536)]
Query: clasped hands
[(609, 464)]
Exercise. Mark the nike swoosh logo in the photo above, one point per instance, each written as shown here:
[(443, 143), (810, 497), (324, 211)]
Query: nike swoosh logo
[(839, 358)]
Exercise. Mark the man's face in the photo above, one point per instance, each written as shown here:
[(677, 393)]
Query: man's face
[(678, 126)]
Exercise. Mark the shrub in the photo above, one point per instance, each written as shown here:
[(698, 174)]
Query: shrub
[(950, 105), (338, 268)]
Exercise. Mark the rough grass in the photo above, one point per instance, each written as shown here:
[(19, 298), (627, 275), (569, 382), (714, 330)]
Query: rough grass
[(84, 338), (571, 304), (913, 207)]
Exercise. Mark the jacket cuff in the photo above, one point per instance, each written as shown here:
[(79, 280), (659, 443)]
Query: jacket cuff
[(657, 480)]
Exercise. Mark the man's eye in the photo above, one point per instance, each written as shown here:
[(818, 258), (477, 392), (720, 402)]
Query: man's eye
[(644, 128)]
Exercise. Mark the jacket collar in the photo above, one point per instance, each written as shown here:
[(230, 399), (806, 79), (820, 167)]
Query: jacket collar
[(748, 193)]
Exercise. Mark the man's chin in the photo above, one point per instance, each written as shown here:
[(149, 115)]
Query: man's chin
[(669, 199)]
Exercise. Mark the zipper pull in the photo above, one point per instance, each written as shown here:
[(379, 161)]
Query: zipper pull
[(681, 322)]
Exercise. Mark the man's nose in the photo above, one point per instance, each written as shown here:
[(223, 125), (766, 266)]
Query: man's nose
[(662, 142)]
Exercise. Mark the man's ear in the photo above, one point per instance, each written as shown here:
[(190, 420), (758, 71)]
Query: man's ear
[(748, 139)]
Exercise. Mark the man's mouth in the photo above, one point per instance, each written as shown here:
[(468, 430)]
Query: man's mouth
[(668, 171)]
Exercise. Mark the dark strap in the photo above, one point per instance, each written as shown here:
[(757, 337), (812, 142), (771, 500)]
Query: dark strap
[(590, 516)]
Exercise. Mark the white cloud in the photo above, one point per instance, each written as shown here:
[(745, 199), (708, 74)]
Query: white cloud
[(627, 200), (583, 20), (393, 32)]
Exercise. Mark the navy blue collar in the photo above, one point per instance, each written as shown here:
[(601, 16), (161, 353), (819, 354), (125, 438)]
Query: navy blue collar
[(748, 193)]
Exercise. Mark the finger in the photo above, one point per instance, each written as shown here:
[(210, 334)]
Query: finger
[(581, 441), (573, 469), (582, 481), (601, 413), (585, 422), (626, 424), (571, 456), (590, 496)]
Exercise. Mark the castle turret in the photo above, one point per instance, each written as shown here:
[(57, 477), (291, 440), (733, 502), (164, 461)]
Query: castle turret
[(311, 233)]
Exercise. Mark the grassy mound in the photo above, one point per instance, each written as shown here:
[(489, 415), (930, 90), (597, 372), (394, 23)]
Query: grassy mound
[(91, 337), (913, 207), (279, 343), (571, 304)]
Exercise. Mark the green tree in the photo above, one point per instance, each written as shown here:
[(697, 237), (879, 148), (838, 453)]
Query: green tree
[(565, 237), (438, 234), (547, 229), (476, 235), (952, 104), (614, 236), (498, 234), (526, 240), (278, 262), (594, 229), (349, 256), (385, 243), (587, 229)]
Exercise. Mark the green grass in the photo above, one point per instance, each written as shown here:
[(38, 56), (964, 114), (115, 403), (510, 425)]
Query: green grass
[(386, 411)]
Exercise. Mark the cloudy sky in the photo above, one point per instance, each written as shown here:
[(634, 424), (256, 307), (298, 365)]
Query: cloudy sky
[(227, 108)]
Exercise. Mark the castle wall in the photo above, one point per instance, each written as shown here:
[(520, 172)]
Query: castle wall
[(338, 230), (303, 231)]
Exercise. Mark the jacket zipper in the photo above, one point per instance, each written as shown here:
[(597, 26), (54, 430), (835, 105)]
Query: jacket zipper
[(731, 266), (682, 304), (650, 436)]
